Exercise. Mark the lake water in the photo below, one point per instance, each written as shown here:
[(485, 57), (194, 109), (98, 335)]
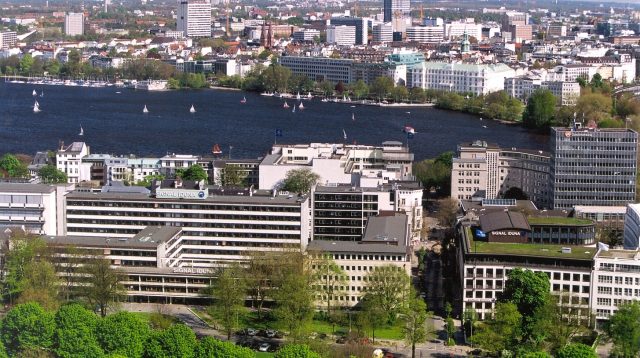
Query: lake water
[(114, 123)]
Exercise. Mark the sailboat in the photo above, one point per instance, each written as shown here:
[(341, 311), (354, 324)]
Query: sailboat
[(192, 109), (216, 149), (285, 105), (344, 134), (243, 100), (81, 130), (36, 107), (42, 93), (298, 96), (309, 96), (34, 93), (353, 116), (294, 109), (145, 110), (301, 106)]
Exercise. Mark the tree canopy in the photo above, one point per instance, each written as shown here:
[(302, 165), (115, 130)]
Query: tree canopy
[(540, 109), (49, 174), (27, 326), (194, 172), (300, 180), (623, 328)]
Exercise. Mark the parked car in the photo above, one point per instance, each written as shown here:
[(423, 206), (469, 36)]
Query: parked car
[(270, 333), (251, 332), (264, 347)]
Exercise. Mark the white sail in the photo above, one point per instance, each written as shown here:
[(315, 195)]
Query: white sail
[(81, 131), (285, 105), (294, 109), (344, 134), (301, 106), (42, 93), (309, 96), (145, 110), (192, 109), (298, 95), (34, 93), (36, 107), (353, 116)]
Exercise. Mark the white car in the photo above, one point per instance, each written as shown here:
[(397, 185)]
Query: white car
[(264, 347)]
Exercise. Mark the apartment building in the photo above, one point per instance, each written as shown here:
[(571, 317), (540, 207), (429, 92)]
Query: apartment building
[(592, 166), (522, 87), (615, 280), (194, 18), (74, 24), (35, 208), (8, 39), (218, 225), (352, 164), (488, 171), (384, 243), (341, 35), (319, 68), (69, 161)]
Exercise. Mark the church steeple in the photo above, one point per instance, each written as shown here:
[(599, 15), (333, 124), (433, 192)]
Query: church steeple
[(465, 45)]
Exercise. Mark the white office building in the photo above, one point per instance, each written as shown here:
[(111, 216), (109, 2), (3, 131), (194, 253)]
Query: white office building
[(616, 280), (35, 208), (69, 161), (341, 35), (464, 78), (382, 33), (306, 35), (8, 39), (194, 18), (74, 24), (425, 34), (320, 68), (455, 30), (358, 165)]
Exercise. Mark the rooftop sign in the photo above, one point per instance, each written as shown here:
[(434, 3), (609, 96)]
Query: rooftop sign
[(181, 194)]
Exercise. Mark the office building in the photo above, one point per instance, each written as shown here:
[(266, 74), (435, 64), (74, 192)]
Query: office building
[(244, 170), (341, 35), (462, 78), (382, 33), (319, 68), (351, 164), (631, 236), (521, 33), (511, 18), (34, 208), (194, 18), (360, 24), (522, 87), (219, 225), (556, 30), (384, 243), (306, 35), (425, 34), (341, 212), (593, 166), (74, 24), (483, 170), (616, 280), (455, 30), (8, 39), (395, 8)]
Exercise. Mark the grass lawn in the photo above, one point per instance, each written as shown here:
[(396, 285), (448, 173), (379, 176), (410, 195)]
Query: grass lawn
[(251, 320), (146, 318), (263, 354)]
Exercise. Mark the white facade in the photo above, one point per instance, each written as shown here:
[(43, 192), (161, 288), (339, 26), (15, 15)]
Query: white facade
[(69, 161), (455, 30), (425, 33), (306, 35), (382, 32), (194, 18), (8, 39), (37, 208), (341, 35), (616, 280), (338, 163), (465, 78), (632, 227), (74, 24)]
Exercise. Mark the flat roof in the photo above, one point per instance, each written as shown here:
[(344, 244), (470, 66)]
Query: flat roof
[(355, 246), (258, 197), (385, 229), (558, 220), (602, 209), (620, 254), (501, 220), (26, 188)]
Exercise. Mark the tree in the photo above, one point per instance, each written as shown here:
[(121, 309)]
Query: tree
[(360, 89), (41, 285), (339, 87), (435, 174), (259, 270), (596, 81), (326, 88), (25, 64), (103, 287), (49, 174), (294, 301), (75, 333), (540, 109), (502, 332), (389, 287), (624, 330), (232, 175), (417, 94), (13, 166), (194, 172), (447, 212), (450, 328), (296, 351), (175, 341), (229, 291), (300, 180), (538, 354), (27, 325), (328, 277), (149, 179), (576, 350), (122, 333), (399, 93), (594, 107), (209, 347), (381, 87), (529, 291), (275, 78), (23, 252), (372, 315), (414, 317)]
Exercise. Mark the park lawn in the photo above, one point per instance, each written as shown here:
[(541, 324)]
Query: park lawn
[(146, 317), (264, 355)]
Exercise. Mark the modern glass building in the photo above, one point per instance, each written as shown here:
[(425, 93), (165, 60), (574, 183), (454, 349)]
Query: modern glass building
[(593, 167)]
